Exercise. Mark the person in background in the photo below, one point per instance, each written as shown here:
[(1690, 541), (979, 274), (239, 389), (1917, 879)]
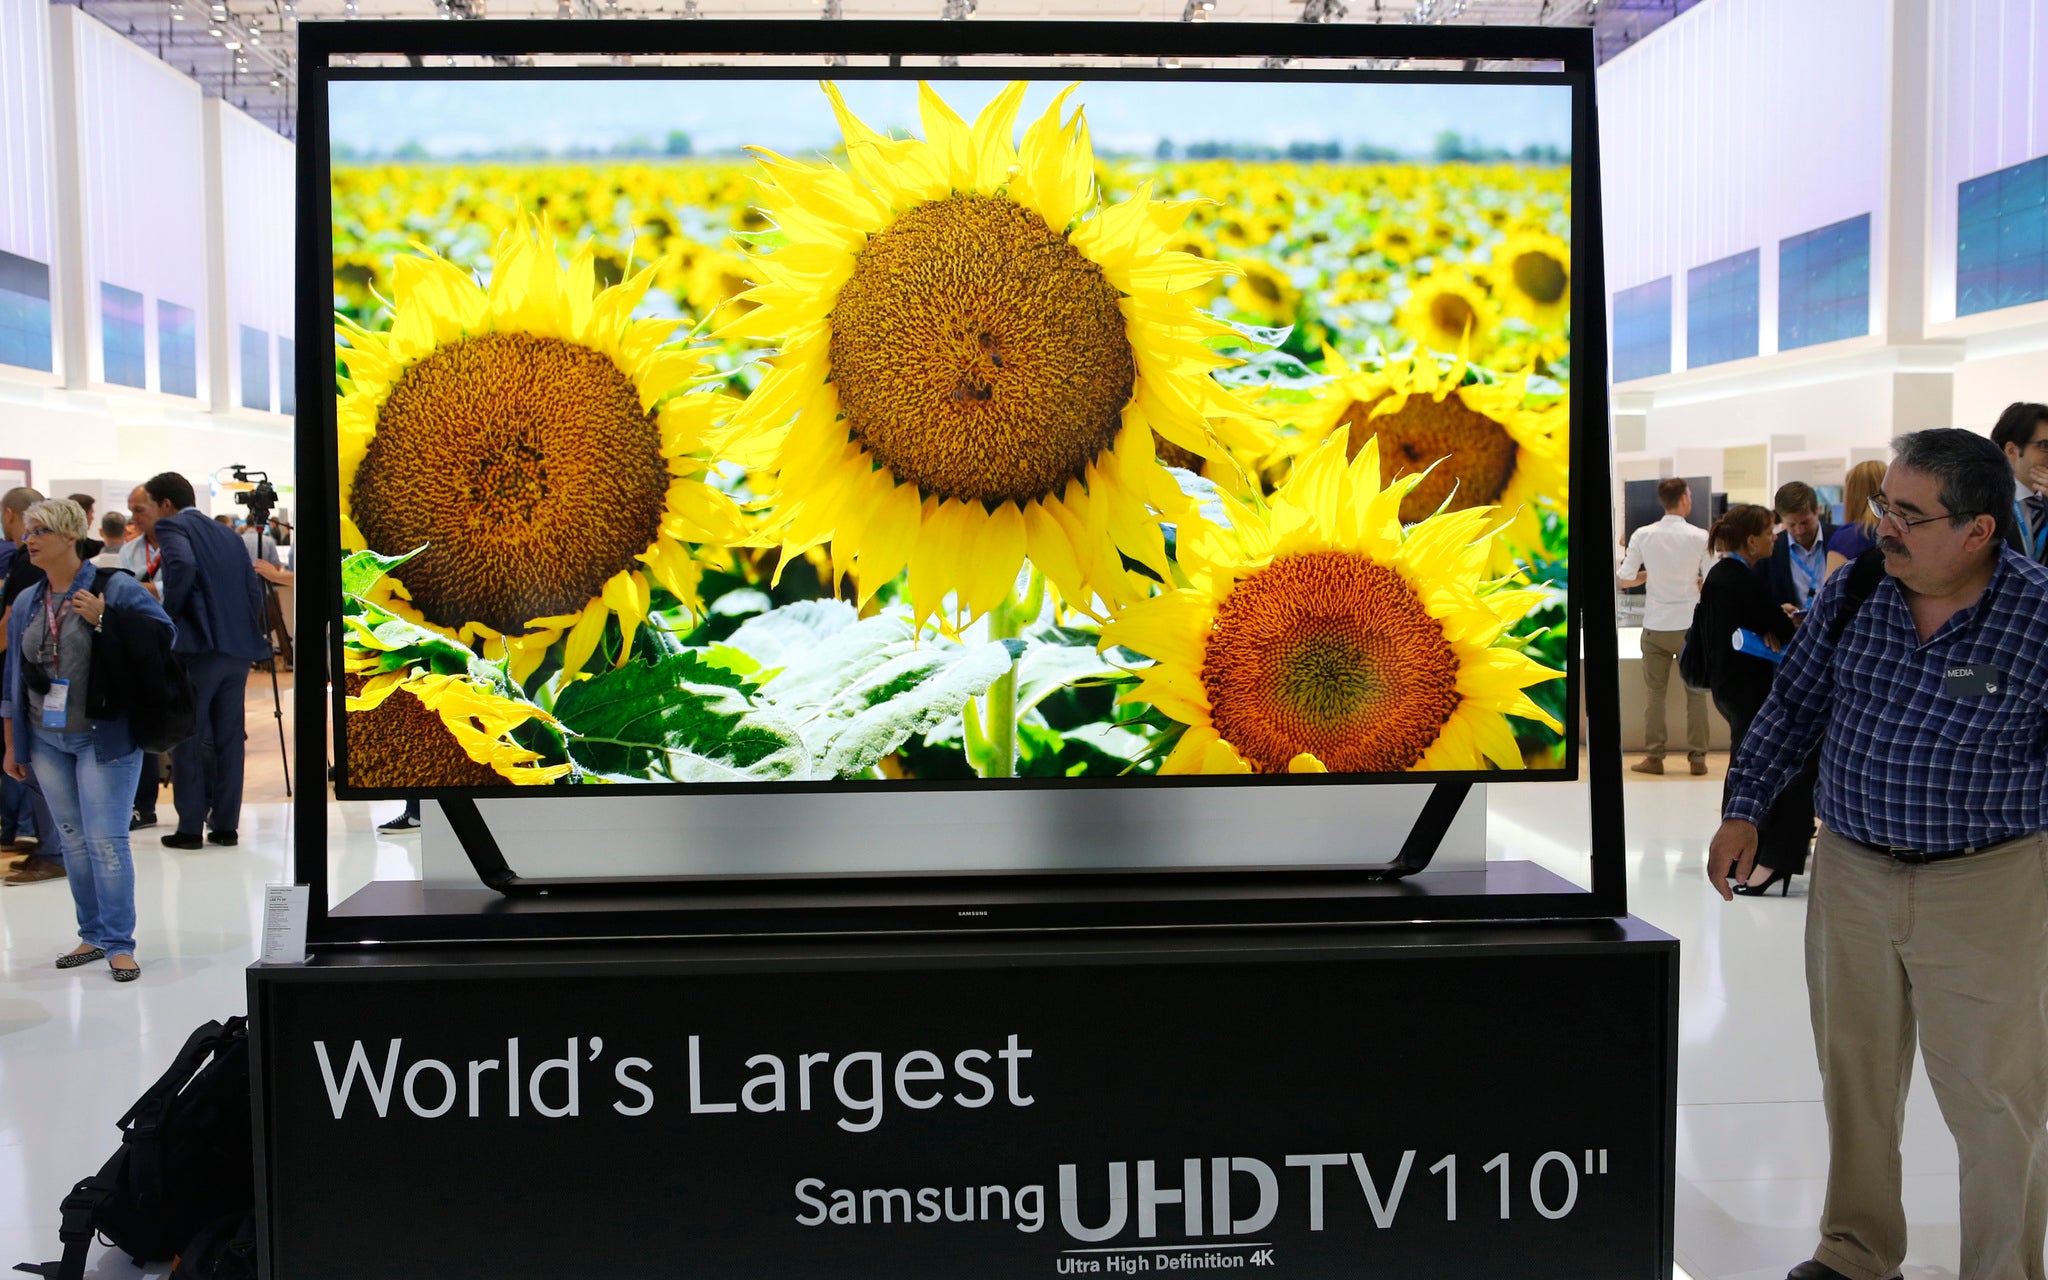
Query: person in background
[(1673, 557), (85, 504), (269, 566), (216, 604), (22, 573), (1928, 919), (225, 521), (1864, 482), (86, 767), (113, 533), (2022, 433), (1734, 598), (1798, 563), (142, 557)]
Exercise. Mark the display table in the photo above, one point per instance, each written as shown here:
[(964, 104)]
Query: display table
[(1395, 1102), (1635, 696)]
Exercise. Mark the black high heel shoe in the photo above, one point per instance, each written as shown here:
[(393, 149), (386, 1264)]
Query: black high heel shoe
[(1759, 890)]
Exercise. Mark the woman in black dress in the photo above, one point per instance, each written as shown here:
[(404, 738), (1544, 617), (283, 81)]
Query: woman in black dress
[(1734, 597)]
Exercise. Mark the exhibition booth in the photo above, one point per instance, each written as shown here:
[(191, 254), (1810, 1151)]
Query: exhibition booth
[(890, 605)]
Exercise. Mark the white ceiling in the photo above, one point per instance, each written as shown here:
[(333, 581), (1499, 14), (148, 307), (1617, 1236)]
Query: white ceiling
[(246, 50)]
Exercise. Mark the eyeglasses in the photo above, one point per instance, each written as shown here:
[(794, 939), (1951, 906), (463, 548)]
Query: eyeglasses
[(33, 530), (1885, 511)]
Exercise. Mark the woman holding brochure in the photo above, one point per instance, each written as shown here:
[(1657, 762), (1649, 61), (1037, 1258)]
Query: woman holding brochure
[(1732, 600)]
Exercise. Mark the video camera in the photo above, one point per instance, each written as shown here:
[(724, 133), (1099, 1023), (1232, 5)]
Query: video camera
[(260, 498)]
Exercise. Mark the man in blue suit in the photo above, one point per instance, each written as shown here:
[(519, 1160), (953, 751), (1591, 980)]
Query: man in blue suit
[(1797, 565), (211, 592)]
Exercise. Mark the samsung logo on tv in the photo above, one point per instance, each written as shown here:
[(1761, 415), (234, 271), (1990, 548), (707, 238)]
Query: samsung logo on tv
[(971, 913)]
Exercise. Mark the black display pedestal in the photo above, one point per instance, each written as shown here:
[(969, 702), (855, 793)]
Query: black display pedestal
[(1393, 1102)]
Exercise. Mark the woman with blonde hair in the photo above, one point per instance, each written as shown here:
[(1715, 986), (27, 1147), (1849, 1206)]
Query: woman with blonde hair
[(1858, 533), (87, 768)]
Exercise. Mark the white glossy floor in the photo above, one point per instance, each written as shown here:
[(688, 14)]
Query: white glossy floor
[(75, 1048)]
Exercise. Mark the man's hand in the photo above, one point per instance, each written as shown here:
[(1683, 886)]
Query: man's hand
[(2037, 478), (1732, 854)]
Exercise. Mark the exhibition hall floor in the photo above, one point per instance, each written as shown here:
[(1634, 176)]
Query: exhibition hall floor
[(76, 1048)]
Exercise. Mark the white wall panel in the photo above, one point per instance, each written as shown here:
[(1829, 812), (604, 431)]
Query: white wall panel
[(140, 151), (1736, 125), (1990, 111), (25, 171), (258, 194)]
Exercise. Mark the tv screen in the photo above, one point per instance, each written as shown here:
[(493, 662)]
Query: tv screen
[(730, 429)]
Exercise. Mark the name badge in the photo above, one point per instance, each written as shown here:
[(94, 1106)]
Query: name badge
[(54, 703), (1972, 682)]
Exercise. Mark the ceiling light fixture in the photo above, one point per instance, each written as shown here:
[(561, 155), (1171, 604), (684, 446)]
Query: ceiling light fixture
[(1198, 10)]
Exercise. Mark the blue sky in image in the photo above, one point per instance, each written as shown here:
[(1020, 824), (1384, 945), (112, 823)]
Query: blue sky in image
[(452, 117)]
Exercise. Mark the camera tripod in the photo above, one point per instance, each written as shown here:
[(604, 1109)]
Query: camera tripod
[(261, 519)]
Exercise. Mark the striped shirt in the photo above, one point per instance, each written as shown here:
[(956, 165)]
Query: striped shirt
[(1904, 763)]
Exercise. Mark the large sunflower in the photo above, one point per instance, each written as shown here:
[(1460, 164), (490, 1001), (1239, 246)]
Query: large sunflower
[(974, 355), (1532, 276), (412, 728), (1467, 443), (533, 438), (1319, 635), (1447, 310)]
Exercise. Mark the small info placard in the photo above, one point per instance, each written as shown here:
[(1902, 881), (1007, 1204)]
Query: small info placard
[(284, 923)]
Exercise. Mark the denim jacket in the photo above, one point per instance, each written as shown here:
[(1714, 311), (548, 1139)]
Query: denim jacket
[(110, 738)]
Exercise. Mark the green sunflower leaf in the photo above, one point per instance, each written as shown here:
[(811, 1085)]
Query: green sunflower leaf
[(859, 688), (681, 718), (361, 570)]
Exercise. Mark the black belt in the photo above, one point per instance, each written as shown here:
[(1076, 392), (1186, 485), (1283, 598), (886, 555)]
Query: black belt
[(1915, 857)]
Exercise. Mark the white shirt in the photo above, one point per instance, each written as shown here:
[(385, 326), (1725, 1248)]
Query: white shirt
[(1675, 553)]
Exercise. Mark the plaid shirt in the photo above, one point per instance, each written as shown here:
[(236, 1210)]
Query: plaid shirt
[(1903, 764)]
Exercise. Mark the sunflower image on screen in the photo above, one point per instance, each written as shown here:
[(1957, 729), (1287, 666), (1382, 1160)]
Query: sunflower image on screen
[(918, 435)]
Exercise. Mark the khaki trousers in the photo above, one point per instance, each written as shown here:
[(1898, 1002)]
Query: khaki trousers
[(1660, 659), (1958, 950)]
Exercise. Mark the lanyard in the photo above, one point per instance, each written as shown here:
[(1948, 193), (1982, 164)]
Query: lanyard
[(151, 558), (2037, 541), (53, 616), (1805, 570)]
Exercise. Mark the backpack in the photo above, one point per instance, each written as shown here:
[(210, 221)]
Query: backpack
[(224, 1249), (187, 1160), (1865, 572)]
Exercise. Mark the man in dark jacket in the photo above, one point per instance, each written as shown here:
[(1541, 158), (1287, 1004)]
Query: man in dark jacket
[(1799, 558), (2022, 432), (216, 604)]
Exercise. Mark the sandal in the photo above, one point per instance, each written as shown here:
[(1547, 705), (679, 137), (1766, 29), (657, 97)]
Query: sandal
[(125, 975), (73, 959)]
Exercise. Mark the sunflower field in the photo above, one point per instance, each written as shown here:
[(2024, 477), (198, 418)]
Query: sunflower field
[(961, 452)]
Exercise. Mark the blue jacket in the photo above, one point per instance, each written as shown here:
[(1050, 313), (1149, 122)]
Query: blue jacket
[(211, 591), (110, 738), (1776, 572)]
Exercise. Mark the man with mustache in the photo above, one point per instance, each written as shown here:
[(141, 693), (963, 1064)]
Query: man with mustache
[(1929, 907)]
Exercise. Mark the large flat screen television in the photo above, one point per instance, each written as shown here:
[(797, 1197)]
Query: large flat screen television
[(924, 411)]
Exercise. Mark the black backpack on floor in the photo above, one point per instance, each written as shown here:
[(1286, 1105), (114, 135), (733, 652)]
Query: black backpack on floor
[(187, 1160)]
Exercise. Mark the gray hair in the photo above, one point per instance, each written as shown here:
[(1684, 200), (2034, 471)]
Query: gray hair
[(113, 525), (64, 517), (1976, 478)]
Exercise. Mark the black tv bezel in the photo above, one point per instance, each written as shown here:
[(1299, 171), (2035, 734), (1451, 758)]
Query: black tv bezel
[(932, 900)]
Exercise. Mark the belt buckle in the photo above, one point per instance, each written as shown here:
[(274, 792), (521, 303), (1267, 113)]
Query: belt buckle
[(1912, 857)]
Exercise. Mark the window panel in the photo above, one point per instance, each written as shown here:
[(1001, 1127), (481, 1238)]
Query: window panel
[(122, 337), (255, 369), (2002, 238), (1824, 284), (177, 349), (1642, 330), (25, 332), (287, 376), (1721, 310)]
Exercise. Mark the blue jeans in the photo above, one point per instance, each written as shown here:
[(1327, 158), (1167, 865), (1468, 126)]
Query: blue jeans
[(91, 801), (206, 769)]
